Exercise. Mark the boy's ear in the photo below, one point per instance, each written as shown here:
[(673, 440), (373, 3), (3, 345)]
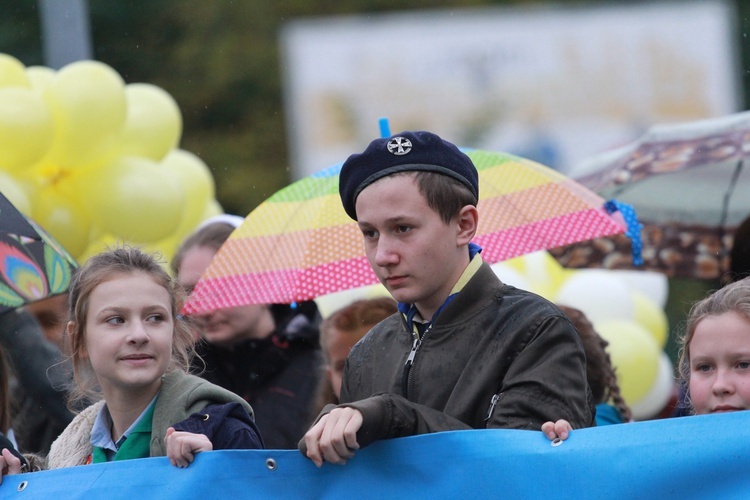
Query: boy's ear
[(468, 219)]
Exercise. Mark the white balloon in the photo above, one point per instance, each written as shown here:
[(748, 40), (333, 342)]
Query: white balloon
[(510, 276), (600, 294), (657, 398), (652, 284), (537, 266)]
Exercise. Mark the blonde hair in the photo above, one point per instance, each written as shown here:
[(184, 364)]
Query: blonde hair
[(734, 297), (103, 267)]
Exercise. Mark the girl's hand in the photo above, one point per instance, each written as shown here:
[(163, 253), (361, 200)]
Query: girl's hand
[(182, 446), (559, 429), (9, 464)]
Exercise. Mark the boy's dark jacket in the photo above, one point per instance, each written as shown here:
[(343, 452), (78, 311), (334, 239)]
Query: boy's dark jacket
[(493, 342)]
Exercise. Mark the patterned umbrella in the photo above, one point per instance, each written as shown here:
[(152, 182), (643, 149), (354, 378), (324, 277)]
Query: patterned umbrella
[(300, 244), (33, 266), (691, 189)]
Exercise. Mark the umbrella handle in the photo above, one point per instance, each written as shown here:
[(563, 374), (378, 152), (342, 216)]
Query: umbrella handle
[(634, 227)]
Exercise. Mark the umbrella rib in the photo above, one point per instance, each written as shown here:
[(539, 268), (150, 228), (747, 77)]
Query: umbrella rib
[(728, 196)]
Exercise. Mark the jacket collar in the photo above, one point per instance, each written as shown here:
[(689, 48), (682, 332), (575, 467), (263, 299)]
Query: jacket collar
[(419, 325)]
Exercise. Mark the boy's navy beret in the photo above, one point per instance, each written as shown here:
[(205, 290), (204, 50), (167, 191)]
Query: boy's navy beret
[(403, 152)]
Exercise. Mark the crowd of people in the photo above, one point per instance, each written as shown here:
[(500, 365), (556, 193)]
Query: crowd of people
[(113, 371)]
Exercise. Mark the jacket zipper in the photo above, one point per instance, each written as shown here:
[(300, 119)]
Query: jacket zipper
[(493, 403), (410, 361)]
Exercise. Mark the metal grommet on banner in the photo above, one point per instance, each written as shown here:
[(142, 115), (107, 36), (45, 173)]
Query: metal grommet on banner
[(271, 464), (22, 485), (556, 442)]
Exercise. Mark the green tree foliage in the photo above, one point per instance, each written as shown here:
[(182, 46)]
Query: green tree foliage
[(20, 33), (220, 61)]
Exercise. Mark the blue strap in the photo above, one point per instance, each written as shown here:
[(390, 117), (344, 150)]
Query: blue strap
[(634, 227), (473, 249)]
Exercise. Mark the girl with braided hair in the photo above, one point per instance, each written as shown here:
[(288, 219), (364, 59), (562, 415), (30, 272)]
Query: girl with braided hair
[(611, 408), (600, 372)]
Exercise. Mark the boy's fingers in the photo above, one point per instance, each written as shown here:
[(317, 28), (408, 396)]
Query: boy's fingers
[(312, 440)]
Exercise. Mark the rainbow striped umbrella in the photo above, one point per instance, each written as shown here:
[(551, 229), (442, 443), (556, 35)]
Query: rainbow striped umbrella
[(300, 244)]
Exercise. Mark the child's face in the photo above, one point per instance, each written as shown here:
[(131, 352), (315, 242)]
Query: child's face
[(129, 328), (416, 256), (338, 346), (225, 326), (720, 364), (52, 315)]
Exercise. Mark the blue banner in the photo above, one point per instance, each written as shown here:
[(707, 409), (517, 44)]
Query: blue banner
[(690, 457)]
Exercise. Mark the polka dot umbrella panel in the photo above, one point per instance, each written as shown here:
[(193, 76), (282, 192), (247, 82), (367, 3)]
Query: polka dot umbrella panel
[(300, 244)]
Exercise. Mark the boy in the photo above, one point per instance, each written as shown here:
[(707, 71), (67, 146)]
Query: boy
[(465, 350)]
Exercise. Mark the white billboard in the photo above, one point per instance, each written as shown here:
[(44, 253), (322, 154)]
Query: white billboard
[(551, 84)]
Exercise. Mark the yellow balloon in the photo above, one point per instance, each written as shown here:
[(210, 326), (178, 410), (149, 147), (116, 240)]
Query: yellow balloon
[(635, 356), (12, 72), (97, 246), (99, 234), (213, 208), (164, 249), (660, 393), (26, 128), (87, 100), (153, 125), (197, 183), (16, 194), (133, 199), (541, 271), (64, 219), (651, 317), (40, 77)]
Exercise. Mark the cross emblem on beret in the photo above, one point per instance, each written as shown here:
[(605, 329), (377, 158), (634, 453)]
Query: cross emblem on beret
[(399, 146)]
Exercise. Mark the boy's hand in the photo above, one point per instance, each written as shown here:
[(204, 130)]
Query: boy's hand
[(559, 429), (182, 446), (9, 464), (334, 438)]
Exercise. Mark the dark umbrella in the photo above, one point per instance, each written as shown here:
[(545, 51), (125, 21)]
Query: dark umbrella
[(33, 266)]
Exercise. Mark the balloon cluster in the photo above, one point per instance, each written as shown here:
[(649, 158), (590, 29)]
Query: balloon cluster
[(626, 308), (95, 161)]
